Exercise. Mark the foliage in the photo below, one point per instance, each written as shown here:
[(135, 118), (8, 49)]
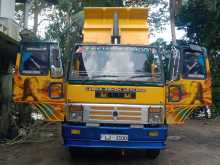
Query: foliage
[(37, 8), (159, 12), (201, 18), (102, 3), (66, 24)]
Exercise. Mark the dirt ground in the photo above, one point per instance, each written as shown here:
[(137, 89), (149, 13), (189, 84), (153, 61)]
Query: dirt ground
[(197, 142)]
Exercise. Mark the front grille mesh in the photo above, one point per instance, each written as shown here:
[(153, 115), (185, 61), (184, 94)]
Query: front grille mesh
[(114, 114)]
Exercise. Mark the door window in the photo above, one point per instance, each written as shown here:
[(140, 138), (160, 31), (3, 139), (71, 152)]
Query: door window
[(193, 65)]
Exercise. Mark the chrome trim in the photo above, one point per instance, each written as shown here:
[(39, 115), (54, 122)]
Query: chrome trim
[(87, 109)]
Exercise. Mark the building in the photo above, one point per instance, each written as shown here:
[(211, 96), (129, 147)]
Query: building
[(8, 26), (9, 38)]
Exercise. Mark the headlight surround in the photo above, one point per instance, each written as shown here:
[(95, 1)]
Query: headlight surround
[(155, 115), (74, 113)]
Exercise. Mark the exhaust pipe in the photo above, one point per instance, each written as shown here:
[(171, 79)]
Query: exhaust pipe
[(115, 36)]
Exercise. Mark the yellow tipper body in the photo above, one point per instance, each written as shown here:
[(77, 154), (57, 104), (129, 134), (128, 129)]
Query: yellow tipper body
[(133, 28)]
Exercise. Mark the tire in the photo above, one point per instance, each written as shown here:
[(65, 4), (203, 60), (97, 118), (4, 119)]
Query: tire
[(75, 152), (152, 154)]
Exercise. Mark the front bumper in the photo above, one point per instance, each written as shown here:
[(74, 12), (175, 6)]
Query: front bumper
[(89, 137)]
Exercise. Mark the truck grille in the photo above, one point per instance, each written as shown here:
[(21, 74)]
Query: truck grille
[(127, 114)]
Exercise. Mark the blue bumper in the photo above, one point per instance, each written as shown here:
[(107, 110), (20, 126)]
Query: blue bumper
[(89, 137)]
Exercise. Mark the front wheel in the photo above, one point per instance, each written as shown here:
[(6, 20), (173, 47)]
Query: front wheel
[(152, 154), (74, 151)]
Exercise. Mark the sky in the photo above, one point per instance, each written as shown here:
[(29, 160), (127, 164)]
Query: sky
[(166, 34)]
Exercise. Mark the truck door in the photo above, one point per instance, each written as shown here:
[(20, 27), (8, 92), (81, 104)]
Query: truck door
[(38, 79), (189, 87)]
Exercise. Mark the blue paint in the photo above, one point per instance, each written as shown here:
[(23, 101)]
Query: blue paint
[(137, 137)]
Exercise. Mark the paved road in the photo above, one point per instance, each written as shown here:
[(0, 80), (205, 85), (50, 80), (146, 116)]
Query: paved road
[(194, 143)]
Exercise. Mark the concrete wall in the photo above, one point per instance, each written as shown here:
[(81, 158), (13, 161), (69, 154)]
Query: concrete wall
[(7, 8)]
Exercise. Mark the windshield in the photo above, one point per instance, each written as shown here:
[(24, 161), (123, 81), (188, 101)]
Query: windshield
[(116, 63), (35, 60)]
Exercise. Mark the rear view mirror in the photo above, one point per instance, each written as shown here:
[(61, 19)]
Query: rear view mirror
[(175, 64)]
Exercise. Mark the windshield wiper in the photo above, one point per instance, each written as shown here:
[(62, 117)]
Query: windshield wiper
[(137, 76), (145, 75), (104, 75)]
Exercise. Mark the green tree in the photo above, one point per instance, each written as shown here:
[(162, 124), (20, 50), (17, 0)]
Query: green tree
[(37, 7), (65, 24), (159, 12), (200, 18)]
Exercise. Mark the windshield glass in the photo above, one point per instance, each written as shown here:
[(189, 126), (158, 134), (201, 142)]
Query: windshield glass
[(116, 63), (35, 60)]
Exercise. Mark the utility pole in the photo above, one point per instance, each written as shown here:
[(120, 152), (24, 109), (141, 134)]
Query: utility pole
[(172, 20)]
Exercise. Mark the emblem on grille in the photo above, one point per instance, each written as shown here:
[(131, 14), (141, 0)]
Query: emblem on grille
[(115, 115)]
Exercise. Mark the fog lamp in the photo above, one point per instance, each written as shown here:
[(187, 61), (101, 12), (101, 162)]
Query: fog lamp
[(153, 133), (75, 132)]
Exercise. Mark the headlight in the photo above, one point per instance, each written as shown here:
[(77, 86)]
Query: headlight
[(74, 113), (155, 115)]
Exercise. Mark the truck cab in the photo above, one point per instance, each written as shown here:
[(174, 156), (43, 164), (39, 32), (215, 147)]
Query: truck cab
[(115, 88), (189, 87), (38, 80)]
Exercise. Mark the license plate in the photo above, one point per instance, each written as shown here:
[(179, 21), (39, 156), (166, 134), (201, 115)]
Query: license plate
[(108, 137)]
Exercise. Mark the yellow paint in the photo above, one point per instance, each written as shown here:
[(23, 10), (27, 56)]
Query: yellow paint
[(133, 27), (34, 90), (75, 132), (150, 95), (98, 28), (195, 93)]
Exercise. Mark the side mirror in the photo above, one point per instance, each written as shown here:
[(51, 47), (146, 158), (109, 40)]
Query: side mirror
[(56, 72), (56, 63), (175, 67)]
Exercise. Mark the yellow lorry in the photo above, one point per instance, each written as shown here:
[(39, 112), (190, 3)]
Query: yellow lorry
[(38, 79), (115, 94), (115, 90)]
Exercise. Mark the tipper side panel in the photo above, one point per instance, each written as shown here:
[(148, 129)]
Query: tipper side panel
[(133, 27)]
